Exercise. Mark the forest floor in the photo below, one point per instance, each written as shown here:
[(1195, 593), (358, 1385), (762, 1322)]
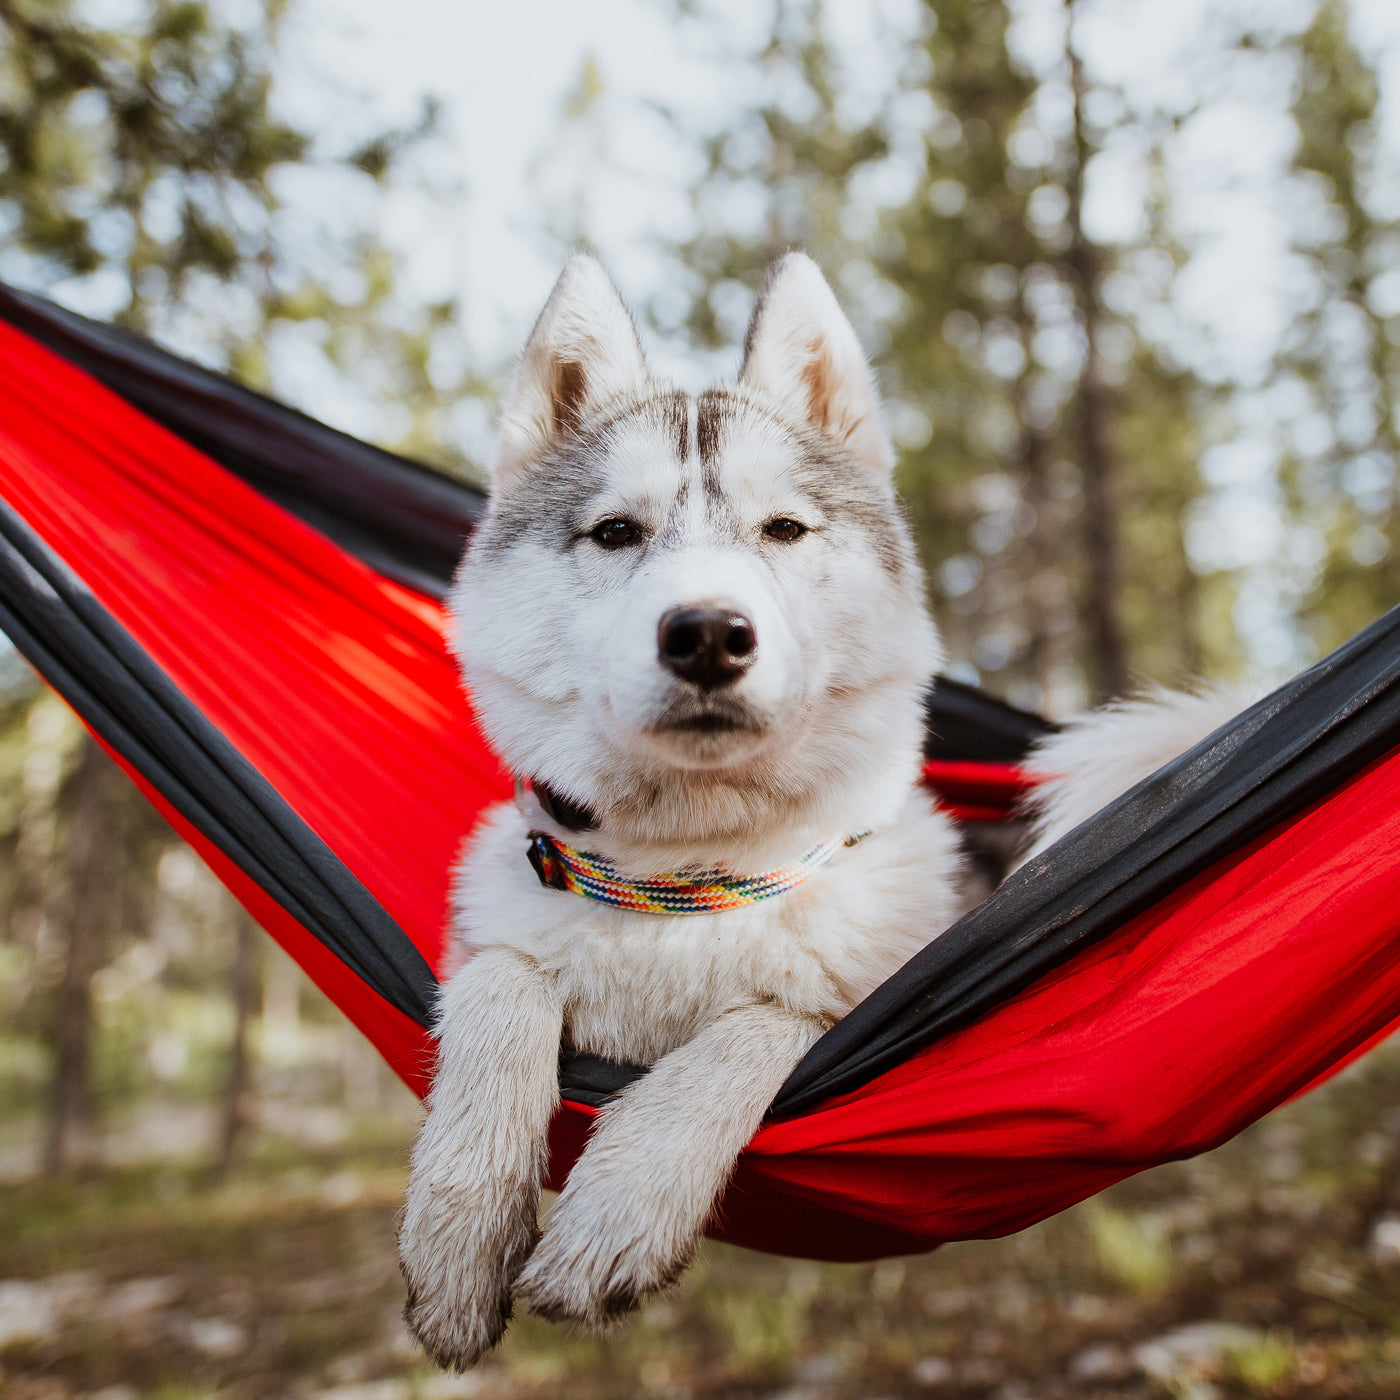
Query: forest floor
[(1270, 1267)]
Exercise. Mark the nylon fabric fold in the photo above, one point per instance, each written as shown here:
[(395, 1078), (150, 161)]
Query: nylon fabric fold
[(1285, 752), (201, 574), (134, 709)]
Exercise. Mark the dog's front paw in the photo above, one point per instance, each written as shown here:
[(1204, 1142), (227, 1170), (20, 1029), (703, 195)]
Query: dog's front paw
[(458, 1328), (592, 1269), (459, 1268)]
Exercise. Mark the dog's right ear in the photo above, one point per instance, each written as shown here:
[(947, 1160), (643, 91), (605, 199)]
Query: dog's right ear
[(582, 353)]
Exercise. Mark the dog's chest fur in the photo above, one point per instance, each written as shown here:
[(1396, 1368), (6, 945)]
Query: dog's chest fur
[(635, 986)]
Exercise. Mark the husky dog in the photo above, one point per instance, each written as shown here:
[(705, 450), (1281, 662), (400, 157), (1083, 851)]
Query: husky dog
[(697, 630)]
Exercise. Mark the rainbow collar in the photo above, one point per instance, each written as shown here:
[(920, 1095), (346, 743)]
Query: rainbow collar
[(562, 867)]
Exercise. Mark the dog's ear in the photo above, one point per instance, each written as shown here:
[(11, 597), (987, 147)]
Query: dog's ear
[(582, 352), (802, 351)]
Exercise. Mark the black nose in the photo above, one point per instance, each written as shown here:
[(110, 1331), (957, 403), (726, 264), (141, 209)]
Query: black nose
[(709, 646)]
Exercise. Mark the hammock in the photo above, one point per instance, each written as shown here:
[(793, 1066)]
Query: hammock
[(244, 607)]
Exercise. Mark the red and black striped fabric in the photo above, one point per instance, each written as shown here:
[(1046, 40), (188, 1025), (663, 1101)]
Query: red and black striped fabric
[(244, 607)]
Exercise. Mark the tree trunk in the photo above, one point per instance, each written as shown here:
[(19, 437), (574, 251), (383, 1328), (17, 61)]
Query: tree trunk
[(86, 909), (1045, 547), (1045, 566), (238, 1087), (1107, 651)]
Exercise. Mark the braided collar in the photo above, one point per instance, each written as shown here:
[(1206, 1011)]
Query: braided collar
[(563, 867)]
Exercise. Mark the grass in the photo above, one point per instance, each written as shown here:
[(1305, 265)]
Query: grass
[(1248, 1272)]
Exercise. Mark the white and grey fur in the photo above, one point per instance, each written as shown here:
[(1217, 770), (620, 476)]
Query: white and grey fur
[(1100, 755), (820, 737)]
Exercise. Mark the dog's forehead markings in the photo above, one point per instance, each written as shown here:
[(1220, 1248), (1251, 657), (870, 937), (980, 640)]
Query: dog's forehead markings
[(751, 461), (679, 413), (749, 455), (646, 464), (690, 449), (711, 409), (760, 461), (641, 470)]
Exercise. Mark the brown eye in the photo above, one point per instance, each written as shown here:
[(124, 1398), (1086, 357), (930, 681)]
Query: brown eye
[(615, 533), (784, 529)]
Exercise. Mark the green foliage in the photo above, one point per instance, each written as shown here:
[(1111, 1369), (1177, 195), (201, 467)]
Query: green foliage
[(377, 156), (146, 151), (1132, 1250), (769, 1330), (147, 156), (1263, 1363), (793, 159), (949, 220), (1341, 361), (1274, 1291)]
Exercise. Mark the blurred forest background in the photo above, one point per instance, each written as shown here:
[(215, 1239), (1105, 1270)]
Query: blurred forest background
[(1112, 484)]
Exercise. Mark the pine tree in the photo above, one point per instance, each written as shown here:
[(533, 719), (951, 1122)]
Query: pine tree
[(142, 159), (1048, 449), (143, 152), (778, 177), (139, 160), (1341, 361)]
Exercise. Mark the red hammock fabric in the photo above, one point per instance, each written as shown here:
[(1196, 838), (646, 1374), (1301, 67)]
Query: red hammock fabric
[(1260, 976)]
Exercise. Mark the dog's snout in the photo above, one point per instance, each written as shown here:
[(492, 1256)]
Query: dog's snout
[(708, 646)]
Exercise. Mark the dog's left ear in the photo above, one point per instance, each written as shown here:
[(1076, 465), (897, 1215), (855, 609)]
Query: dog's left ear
[(802, 351), (582, 354)]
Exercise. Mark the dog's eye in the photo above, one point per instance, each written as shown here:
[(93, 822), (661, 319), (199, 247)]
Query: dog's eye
[(615, 533), (784, 529)]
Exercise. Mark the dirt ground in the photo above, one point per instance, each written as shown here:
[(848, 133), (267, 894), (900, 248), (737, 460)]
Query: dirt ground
[(1268, 1268)]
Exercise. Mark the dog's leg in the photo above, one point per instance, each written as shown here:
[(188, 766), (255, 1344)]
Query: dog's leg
[(630, 1218), (471, 1215)]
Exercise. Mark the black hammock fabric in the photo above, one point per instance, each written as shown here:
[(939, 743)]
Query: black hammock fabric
[(241, 603)]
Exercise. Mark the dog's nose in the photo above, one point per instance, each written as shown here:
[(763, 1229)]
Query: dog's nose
[(709, 646)]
